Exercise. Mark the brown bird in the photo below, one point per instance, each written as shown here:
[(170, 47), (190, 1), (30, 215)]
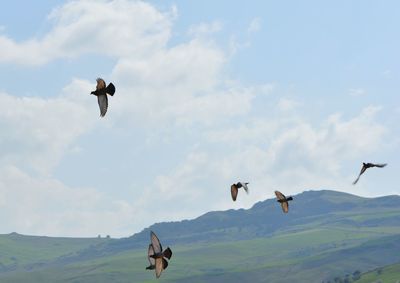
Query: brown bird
[(284, 201), (160, 263), (235, 188), (101, 93), (365, 167)]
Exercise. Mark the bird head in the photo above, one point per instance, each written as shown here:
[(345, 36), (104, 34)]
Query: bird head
[(100, 83)]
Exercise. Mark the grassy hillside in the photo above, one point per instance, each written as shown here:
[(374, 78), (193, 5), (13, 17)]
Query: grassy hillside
[(385, 274), (309, 209), (17, 251), (326, 235), (294, 257)]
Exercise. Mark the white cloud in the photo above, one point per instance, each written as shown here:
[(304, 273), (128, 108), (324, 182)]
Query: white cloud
[(290, 154), (255, 25), (157, 89), (99, 27), (45, 206), (36, 132)]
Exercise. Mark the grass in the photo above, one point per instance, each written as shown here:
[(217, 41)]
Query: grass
[(257, 259), (18, 250), (388, 274)]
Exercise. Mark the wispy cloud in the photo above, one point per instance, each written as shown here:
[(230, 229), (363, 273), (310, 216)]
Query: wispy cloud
[(205, 28), (255, 25), (357, 92), (286, 104)]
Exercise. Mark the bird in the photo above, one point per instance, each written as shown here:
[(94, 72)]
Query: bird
[(158, 255), (284, 201), (101, 93), (235, 188), (365, 167)]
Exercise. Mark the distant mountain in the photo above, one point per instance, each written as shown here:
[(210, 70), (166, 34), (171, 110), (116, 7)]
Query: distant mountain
[(309, 209), (325, 235)]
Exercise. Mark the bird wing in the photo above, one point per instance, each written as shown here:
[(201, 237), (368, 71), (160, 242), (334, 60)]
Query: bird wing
[(100, 83), (356, 180), (150, 252), (234, 192), (165, 263), (380, 165), (363, 169), (159, 266), (155, 242), (280, 196), (359, 175), (245, 187), (285, 206), (167, 253), (103, 104), (110, 89)]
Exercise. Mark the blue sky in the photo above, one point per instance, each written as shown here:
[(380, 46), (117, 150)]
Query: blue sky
[(289, 96)]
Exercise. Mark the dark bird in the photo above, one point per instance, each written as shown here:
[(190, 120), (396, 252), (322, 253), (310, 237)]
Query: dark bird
[(158, 255), (365, 167), (235, 188), (101, 93), (284, 201)]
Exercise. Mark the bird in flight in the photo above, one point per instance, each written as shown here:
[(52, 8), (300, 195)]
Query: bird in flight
[(235, 188), (156, 255), (284, 201), (365, 167), (101, 93)]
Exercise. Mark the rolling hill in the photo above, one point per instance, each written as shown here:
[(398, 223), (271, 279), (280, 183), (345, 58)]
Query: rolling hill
[(326, 234)]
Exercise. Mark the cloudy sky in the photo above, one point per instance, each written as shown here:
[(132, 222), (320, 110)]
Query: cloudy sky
[(289, 96)]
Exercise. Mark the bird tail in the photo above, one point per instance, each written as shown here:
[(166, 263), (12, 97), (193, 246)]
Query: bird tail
[(289, 198), (110, 89), (167, 253)]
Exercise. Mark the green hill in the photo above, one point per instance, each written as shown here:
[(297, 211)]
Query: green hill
[(385, 274), (326, 234)]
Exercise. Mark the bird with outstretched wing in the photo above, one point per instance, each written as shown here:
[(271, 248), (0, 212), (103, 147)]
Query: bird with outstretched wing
[(157, 255), (284, 201), (365, 166), (101, 93), (235, 189)]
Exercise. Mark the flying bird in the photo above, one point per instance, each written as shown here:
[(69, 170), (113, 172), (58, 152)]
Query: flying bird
[(365, 167), (284, 201), (101, 93), (158, 255), (235, 188)]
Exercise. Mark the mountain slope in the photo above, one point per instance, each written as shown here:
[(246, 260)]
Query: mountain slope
[(325, 235), (309, 209)]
